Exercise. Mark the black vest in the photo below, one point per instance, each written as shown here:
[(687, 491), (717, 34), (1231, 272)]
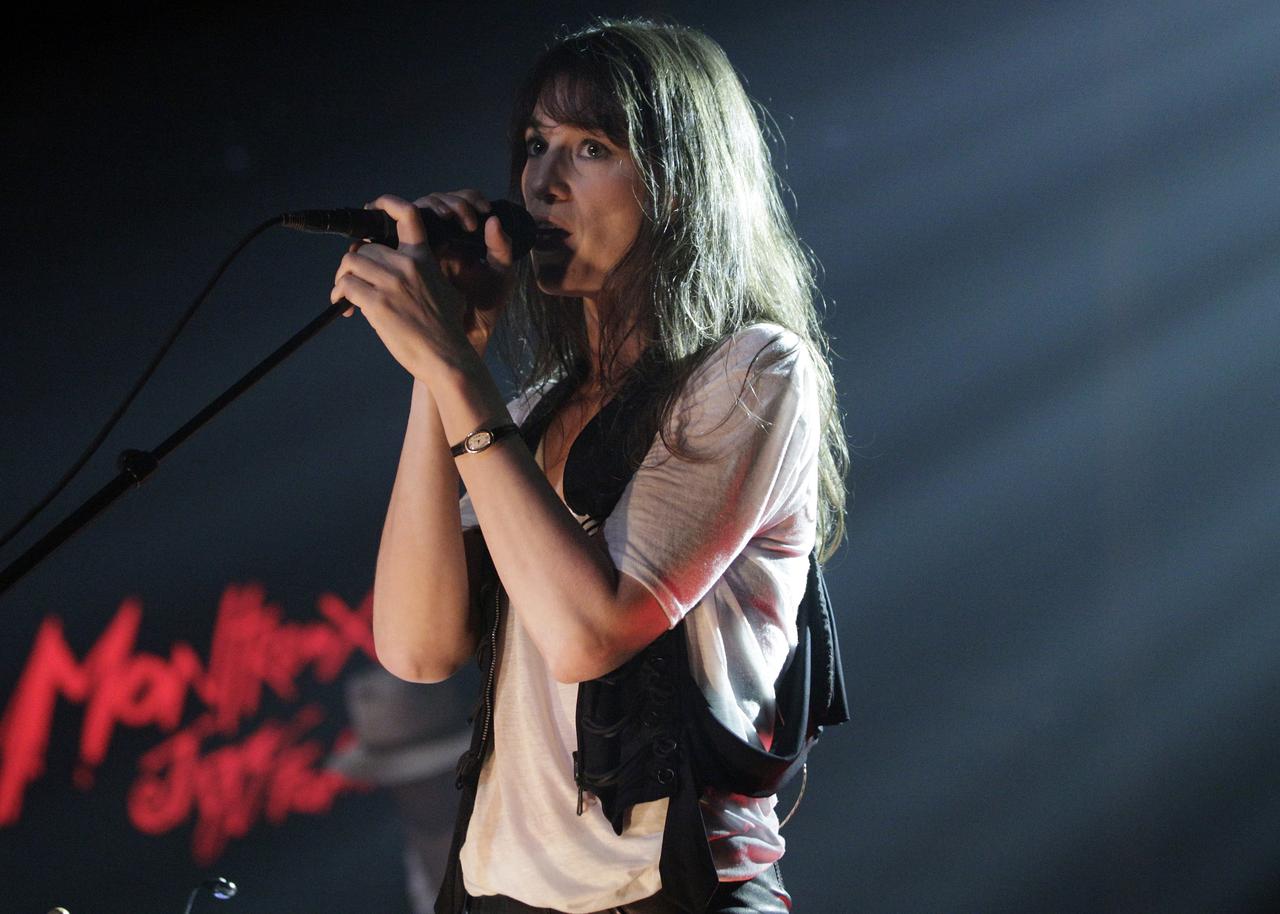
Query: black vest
[(645, 730)]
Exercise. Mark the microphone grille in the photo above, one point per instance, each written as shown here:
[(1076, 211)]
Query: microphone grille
[(518, 225)]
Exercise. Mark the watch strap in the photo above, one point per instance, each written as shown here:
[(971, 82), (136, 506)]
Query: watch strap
[(482, 438)]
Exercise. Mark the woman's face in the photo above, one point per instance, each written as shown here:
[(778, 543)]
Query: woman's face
[(588, 188)]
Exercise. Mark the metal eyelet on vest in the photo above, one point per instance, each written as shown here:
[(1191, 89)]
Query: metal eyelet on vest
[(664, 775), (651, 718), (664, 746)]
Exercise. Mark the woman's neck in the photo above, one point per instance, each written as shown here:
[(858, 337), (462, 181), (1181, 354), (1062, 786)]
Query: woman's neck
[(627, 352)]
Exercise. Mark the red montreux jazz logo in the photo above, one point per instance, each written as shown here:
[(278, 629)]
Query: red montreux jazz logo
[(268, 773)]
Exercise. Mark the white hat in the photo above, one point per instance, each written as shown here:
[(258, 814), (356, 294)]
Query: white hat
[(404, 731)]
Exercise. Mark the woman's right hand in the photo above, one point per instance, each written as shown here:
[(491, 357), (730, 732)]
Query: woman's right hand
[(486, 285)]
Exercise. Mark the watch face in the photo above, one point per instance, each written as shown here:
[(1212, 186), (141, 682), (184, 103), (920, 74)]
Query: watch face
[(478, 441)]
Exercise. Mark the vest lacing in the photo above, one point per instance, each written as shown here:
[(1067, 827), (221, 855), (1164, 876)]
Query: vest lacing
[(656, 714)]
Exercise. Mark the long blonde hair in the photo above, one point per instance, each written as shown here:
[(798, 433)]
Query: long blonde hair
[(716, 251)]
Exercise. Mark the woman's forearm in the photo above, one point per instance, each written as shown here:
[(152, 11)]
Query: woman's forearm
[(422, 622), (563, 581)]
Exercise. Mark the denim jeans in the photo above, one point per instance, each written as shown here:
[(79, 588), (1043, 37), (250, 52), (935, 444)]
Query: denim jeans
[(765, 894)]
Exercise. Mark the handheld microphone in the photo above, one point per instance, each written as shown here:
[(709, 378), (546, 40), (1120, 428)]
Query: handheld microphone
[(376, 226)]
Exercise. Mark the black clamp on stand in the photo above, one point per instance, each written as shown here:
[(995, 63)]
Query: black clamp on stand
[(137, 465)]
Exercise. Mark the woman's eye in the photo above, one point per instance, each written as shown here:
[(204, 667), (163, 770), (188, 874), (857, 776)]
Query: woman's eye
[(535, 145), (594, 150)]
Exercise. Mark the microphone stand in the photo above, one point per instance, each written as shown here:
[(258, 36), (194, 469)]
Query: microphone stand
[(135, 465)]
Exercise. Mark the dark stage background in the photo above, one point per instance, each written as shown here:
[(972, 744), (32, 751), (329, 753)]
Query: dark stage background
[(1050, 237)]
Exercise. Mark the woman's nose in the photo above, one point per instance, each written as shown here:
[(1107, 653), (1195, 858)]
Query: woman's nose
[(544, 178)]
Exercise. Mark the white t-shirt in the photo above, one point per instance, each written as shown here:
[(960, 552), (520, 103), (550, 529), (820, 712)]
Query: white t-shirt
[(723, 539)]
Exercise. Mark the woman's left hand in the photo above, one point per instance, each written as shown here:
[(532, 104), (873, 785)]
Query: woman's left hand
[(414, 310)]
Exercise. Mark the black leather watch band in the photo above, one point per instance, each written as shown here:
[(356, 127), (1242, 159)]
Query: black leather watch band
[(481, 438)]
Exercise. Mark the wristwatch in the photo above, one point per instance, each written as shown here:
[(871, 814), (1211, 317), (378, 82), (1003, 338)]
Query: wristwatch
[(481, 438)]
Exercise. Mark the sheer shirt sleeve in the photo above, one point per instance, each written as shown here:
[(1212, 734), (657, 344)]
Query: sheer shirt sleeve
[(739, 479)]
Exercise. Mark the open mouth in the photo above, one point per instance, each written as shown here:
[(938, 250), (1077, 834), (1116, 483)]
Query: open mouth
[(549, 237)]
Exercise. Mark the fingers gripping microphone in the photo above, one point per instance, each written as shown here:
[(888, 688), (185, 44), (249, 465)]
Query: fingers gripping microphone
[(376, 226)]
